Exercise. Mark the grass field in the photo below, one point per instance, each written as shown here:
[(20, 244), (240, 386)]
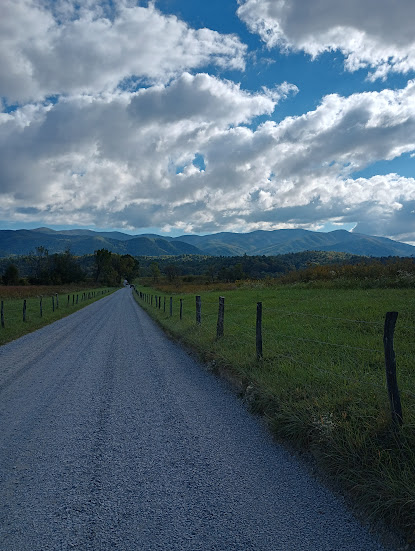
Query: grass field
[(13, 302), (321, 382)]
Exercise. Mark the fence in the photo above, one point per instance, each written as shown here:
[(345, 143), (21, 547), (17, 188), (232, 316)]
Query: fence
[(14, 310), (296, 337)]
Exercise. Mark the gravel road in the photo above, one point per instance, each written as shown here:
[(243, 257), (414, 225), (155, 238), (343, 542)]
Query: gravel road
[(112, 437)]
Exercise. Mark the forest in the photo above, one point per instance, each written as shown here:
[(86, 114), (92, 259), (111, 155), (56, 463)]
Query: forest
[(107, 268), (42, 268)]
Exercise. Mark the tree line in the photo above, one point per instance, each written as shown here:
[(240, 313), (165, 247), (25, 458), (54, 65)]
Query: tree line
[(233, 268), (107, 268), (41, 268), (301, 267)]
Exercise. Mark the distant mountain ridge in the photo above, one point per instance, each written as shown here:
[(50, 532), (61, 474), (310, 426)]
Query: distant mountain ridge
[(268, 243), (81, 242), (271, 243)]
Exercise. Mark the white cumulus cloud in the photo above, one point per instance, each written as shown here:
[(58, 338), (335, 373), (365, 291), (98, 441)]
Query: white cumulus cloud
[(373, 34), (127, 160), (46, 52), (115, 127)]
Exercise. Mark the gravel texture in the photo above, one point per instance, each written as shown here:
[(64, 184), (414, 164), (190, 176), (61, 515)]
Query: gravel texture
[(112, 437)]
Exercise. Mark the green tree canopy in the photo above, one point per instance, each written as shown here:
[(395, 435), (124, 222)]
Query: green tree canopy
[(11, 275)]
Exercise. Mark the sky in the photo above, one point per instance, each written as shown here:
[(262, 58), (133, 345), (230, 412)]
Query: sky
[(188, 116)]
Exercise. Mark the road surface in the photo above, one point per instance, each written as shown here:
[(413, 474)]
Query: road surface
[(112, 437)]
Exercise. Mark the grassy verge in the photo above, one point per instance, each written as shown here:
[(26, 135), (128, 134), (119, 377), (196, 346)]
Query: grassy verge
[(321, 382), (57, 302)]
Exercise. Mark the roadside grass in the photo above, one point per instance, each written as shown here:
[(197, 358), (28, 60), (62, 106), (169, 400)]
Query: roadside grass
[(321, 381), (13, 298)]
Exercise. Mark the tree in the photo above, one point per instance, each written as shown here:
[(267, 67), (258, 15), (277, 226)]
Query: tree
[(42, 267), (237, 272), (171, 272), (102, 260), (129, 267), (210, 272), (65, 269), (155, 271), (111, 267), (11, 275)]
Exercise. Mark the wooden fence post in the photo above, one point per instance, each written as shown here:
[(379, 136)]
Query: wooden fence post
[(41, 307), (171, 306), (221, 316), (53, 303), (2, 314), (67, 304), (159, 303), (24, 310), (198, 310), (181, 308), (77, 296), (164, 305), (390, 364), (57, 301), (73, 300), (259, 330), (151, 300)]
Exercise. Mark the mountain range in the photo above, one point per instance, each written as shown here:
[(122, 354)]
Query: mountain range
[(269, 243)]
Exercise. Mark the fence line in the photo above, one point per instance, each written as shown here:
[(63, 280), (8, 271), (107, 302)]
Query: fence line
[(10, 307), (224, 317)]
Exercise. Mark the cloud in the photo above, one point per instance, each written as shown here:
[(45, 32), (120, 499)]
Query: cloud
[(97, 48), (124, 159), (114, 150), (200, 99), (373, 34)]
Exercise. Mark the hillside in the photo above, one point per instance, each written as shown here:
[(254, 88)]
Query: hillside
[(81, 242), (271, 243), (262, 243)]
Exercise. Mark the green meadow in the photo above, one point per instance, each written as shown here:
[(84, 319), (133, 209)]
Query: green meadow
[(44, 305), (321, 381)]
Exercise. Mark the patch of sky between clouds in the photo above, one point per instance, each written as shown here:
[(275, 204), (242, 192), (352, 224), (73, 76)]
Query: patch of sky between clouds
[(404, 165), (314, 78), (198, 162), (5, 107), (133, 83), (218, 15)]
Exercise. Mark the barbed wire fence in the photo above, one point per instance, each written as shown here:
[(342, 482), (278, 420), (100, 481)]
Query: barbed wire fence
[(14, 310), (269, 339)]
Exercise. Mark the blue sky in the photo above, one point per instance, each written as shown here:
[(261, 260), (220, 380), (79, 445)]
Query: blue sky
[(177, 116)]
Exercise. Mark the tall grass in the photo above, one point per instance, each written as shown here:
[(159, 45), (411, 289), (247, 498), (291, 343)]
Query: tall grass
[(321, 382)]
